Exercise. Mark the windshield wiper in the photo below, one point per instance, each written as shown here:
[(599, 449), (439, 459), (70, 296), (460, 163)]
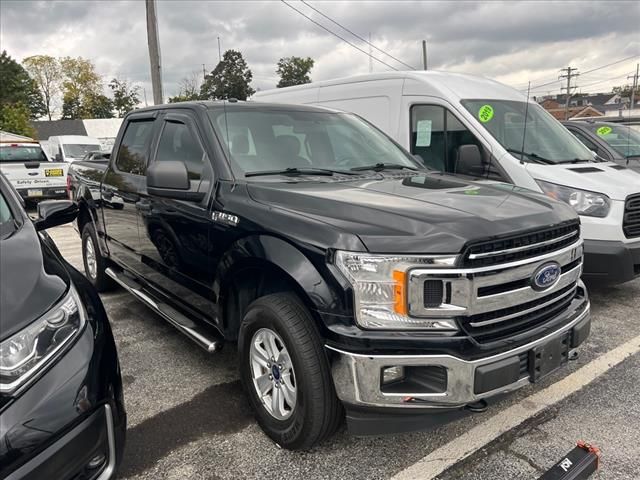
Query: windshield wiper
[(298, 171), (378, 167), (534, 156)]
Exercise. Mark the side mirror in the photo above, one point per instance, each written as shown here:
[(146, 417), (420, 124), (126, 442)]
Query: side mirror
[(52, 213), (170, 179), (469, 161), (59, 157)]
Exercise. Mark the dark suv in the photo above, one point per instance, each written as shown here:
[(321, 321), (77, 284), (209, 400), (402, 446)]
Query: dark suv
[(347, 274)]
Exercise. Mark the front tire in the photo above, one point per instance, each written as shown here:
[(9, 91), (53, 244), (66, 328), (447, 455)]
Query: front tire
[(286, 374), (94, 263)]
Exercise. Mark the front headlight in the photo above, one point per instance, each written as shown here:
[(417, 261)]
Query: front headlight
[(27, 351), (380, 289), (584, 202)]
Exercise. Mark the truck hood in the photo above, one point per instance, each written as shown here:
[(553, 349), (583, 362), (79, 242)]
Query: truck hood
[(32, 280), (606, 177), (426, 213)]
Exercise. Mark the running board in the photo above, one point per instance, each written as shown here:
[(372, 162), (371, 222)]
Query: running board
[(200, 336)]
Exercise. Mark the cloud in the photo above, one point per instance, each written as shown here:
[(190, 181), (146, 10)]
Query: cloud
[(512, 42)]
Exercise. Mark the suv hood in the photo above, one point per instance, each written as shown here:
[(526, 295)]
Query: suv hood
[(424, 213), (32, 279), (606, 177)]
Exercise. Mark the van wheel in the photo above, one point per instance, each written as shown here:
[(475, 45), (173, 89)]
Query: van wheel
[(94, 262), (285, 372)]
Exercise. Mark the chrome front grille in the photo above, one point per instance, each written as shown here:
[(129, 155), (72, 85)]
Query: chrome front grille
[(491, 302), (518, 247), (631, 220)]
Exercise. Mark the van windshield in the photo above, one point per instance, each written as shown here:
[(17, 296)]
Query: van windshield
[(264, 140), (79, 150), (545, 140), (621, 138)]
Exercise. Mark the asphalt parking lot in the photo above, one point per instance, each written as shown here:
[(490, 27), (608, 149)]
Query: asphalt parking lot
[(188, 417)]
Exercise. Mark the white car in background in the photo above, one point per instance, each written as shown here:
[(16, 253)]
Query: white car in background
[(29, 170)]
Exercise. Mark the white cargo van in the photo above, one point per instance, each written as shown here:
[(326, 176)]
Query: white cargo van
[(473, 126), (69, 148)]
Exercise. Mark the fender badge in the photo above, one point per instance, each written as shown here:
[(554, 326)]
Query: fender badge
[(226, 218)]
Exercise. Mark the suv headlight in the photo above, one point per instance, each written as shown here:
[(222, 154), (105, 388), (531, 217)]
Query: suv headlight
[(584, 202), (26, 352), (380, 289)]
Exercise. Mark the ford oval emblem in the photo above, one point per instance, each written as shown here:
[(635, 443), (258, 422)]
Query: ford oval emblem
[(545, 276)]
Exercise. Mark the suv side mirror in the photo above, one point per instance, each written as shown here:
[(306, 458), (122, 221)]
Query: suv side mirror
[(170, 179), (469, 161), (52, 213)]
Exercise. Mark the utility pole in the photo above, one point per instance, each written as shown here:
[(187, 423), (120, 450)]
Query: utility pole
[(635, 85), (204, 72), (154, 52), (424, 54), (219, 51), (571, 73)]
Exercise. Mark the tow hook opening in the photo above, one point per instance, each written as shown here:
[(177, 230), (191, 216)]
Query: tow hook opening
[(477, 407), (573, 354)]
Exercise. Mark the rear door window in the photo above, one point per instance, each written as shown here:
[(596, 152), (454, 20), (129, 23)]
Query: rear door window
[(134, 147)]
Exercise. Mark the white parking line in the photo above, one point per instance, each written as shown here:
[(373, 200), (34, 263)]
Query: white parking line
[(451, 453)]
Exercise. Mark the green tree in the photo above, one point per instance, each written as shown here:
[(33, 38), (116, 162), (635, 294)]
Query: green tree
[(45, 71), (14, 118), (98, 106), (125, 96), (81, 86), (18, 88), (294, 71), (189, 90), (230, 79)]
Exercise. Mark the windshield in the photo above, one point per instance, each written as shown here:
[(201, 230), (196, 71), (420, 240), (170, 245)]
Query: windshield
[(262, 140), (621, 138), (545, 139), (21, 153), (78, 150)]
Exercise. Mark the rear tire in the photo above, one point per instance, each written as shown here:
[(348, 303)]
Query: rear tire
[(94, 263), (316, 411)]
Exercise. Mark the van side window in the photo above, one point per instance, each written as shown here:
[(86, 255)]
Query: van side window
[(177, 143), (428, 135), (132, 152), (437, 135)]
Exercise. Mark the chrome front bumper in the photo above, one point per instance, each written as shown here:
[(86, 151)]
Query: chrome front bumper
[(357, 377)]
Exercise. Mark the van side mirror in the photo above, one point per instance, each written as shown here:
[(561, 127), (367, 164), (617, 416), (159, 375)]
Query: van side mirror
[(52, 213), (170, 179), (469, 161)]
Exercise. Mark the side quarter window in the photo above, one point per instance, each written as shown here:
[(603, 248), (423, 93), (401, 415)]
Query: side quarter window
[(132, 151), (178, 143)]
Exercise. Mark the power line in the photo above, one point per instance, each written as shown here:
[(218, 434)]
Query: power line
[(357, 36), (336, 35), (583, 73), (605, 80)]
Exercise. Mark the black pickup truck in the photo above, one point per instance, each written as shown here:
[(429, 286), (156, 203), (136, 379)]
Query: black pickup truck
[(351, 278)]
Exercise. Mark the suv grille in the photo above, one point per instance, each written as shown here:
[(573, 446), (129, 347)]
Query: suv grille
[(520, 247), (631, 219)]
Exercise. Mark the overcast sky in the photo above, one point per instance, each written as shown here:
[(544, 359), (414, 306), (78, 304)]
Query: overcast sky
[(513, 42)]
